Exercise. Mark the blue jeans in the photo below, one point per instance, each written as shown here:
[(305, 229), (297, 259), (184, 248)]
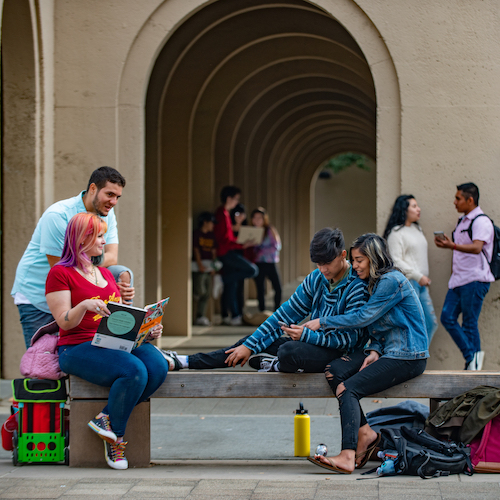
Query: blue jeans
[(132, 377), (31, 320), (431, 322), (118, 270), (236, 268), (384, 373), (468, 300)]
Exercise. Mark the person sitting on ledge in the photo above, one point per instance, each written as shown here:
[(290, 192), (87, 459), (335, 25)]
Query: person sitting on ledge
[(398, 349), (333, 288), (77, 294)]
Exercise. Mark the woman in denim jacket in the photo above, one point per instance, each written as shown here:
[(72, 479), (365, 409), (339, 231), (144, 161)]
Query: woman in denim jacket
[(398, 350)]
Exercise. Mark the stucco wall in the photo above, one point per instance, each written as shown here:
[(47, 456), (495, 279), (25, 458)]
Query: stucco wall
[(444, 55), (446, 58)]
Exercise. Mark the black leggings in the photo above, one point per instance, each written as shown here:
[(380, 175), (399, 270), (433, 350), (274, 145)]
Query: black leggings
[(293, 356), (384, 373)]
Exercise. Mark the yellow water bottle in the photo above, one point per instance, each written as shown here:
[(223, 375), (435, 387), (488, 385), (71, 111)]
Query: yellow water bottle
[(302, 432)]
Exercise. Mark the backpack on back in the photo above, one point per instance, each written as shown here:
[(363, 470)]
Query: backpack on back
[(495, 256), (419, 454)]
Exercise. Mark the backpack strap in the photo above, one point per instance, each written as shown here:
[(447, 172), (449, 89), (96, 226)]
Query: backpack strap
[(453, 233), (469, 232), (438, 473), (389, 434)]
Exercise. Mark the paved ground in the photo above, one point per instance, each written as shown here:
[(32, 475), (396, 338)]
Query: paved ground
[(245, 480), (230, 449)]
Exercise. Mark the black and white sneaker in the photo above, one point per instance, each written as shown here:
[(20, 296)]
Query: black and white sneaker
[(264, 362), (174, 365)]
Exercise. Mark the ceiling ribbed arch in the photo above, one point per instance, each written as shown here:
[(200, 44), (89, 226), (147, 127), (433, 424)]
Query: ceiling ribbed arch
[(259, 94)]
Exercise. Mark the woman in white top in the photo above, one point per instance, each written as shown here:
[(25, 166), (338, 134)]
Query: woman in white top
[(408, 247)]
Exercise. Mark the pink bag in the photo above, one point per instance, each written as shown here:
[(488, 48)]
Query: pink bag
[(485, 449), (41, 360)]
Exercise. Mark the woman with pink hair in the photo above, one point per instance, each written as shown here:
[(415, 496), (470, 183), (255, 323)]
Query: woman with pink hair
[(77, 294)]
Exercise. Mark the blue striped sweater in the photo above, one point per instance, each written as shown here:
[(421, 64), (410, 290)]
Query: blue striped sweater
[(313, 297)]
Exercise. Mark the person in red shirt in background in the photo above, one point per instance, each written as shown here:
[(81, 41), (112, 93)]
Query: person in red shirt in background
[(236, 267)]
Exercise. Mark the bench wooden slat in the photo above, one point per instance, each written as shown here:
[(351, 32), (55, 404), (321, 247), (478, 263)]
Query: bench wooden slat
[(231, 384)]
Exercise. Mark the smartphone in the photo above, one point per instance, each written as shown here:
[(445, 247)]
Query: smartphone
[(282, 323), (439, 235)]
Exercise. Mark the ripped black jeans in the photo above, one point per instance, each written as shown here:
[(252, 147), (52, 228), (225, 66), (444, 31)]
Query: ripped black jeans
[(384, 373)]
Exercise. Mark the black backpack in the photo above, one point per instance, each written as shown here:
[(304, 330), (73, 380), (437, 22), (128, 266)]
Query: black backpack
[(420, 454), (495, 256)]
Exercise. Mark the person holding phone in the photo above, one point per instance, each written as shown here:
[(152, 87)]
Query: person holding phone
[(408, 247), (397, 352), (472, 248), (333, 288)]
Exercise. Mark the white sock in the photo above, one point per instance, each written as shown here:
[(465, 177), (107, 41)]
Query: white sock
[(183, 360)]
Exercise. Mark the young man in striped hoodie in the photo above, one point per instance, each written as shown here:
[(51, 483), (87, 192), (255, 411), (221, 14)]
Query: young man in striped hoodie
[(333, 288)]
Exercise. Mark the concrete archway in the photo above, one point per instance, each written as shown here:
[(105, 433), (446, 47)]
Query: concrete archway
[(256, 94)]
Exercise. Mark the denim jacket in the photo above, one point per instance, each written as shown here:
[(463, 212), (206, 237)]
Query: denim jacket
[(394, 317)]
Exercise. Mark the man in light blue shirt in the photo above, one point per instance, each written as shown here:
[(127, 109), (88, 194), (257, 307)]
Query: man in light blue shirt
[(45, 248)]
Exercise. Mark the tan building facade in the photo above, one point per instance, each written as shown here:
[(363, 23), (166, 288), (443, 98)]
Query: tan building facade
[(184, 97)]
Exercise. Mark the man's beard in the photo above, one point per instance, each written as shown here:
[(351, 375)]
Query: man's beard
[(96, 207)]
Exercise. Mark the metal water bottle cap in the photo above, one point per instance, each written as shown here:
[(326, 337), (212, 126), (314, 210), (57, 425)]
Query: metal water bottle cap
[(301, 410), (321, 449)]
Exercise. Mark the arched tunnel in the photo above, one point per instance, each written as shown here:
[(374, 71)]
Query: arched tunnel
[(259, 94)]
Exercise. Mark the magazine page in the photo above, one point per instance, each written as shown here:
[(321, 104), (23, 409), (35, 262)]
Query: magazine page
[(154, 316)]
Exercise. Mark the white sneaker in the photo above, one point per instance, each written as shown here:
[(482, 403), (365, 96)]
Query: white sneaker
[(237, 321), (480, 359), (226, 321), (202, 321), (477, 361)]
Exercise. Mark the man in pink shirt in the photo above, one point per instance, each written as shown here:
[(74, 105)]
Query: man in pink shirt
[(471, 275)]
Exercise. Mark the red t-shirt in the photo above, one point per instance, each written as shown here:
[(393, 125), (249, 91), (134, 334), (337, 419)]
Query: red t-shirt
[(226, 240), (68, 278)]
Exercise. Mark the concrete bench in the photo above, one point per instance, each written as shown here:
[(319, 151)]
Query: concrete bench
[(87, 400)]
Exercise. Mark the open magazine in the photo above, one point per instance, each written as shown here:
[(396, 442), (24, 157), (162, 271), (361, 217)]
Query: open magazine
[(128, 327)]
